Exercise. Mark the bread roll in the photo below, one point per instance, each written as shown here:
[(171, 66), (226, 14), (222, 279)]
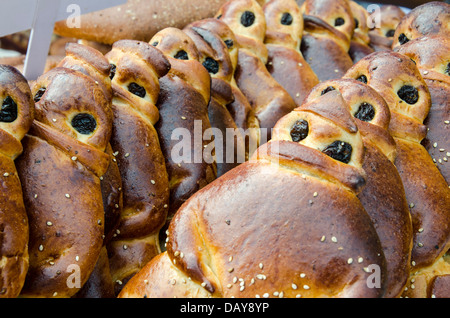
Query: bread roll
[(16, 116), (329, 28), (397, 79), (268, 98), (240, 109), (383, 196), (283, 37), (137, 20), (285, 224), (136, 69), (427, 19), (91, 62), (183, 101), (384, 22), (432, 55), (60, 169), (228, 139), (360, 43)]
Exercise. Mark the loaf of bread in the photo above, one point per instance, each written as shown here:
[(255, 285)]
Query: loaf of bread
[(319, 241), (432, 55), (16, 116), (360, 43), (136, 69), (240, 109), (91, 62), (137, 20), (427, 19), (268, 98), (64, 157), (329, 29), (285, 61), (383, 196), (398, 80), (183, 101), (229, 143)]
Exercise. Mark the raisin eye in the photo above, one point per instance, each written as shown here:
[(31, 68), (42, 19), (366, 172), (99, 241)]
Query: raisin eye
[(356, 23), (248, 18), (409, 94), (327, 90), (339, 150), (447, 70), (39, 93), (112, 71), (390, 33), (300, 130), (362, 79), (365, 112), (229, 43), (137, 90), (339, 22), (8, 112), (403, 39), (287, 19), (181, 55), (85, 124), (211, 65), (219, 17), (155, 43)]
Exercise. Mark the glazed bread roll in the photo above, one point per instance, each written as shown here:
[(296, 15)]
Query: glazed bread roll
[(239, 108), (383, 196), (328, 30), (432, 55), (268, 98), (287, 223), (360, 43), (16, 116), (427, 19), (137, 20), (136, 69), (397, 79), (384, 22), (60, 169), (283, 37), (183, 101), (228, 139), (91, 62)]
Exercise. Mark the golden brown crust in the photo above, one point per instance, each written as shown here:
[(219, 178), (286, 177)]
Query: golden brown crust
[(387, 72), (385, 22), (426, 19), (286, 63), (135, 143), (325, 49), (16, 116), (431, 54), (183, 104), (240, 109), (58, 112), (137, 20), (426, 190), (60, 172), (383, 196), (267, 97), (214, 249), (337, 14), (229, 142), (428, 198), (360, 42)]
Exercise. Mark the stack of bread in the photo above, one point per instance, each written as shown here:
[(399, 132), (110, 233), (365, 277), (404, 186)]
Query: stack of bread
[(120, 178)]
